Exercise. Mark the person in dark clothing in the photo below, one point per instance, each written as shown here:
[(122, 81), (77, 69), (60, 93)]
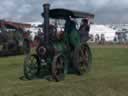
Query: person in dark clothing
[(84, 30)]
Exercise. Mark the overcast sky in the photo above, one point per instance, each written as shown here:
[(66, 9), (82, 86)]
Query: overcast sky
[(106, 11)]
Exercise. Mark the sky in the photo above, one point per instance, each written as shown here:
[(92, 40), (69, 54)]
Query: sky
[(106, 11)]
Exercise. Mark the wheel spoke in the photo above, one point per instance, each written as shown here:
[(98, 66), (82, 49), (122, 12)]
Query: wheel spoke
[(31, 67), (83, 59), (58, 68)]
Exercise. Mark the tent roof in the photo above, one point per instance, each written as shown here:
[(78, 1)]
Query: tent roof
[(101, 29)]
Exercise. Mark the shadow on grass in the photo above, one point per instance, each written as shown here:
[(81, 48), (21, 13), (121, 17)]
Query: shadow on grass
[(49, 78)]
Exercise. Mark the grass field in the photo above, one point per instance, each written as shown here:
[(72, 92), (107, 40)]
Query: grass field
[(108, 77)]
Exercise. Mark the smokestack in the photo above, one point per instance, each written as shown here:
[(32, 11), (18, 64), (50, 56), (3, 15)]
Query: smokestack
[(46, 22)]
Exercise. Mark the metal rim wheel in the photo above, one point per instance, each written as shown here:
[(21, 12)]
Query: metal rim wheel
[(58, 68), (31, 67), (82, 59)]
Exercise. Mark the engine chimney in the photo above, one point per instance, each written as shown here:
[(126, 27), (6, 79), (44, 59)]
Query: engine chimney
[(46, 22)]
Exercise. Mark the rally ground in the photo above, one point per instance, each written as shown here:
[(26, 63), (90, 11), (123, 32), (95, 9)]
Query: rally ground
[(108, 77)]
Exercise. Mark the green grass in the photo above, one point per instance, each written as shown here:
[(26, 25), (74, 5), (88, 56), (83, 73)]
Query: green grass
[(108, 77)]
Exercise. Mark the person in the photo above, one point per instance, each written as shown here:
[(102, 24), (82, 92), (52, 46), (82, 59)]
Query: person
[(72, 39), (84, 30), (39, 32), (102, 39), (40, 35), (26, 42), (72, 34), (97, 38)]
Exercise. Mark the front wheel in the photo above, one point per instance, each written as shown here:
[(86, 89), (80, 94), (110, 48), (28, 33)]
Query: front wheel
[(31, 67), (58, 67)]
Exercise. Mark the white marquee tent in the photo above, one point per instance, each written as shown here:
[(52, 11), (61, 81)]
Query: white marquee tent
[(109, 33)]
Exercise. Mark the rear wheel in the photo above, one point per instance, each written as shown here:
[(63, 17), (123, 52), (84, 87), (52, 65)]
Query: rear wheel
[(31, 67), (58, 67), (82, 59)]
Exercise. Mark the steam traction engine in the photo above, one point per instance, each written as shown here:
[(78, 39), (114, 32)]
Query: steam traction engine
[(58, 53)]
